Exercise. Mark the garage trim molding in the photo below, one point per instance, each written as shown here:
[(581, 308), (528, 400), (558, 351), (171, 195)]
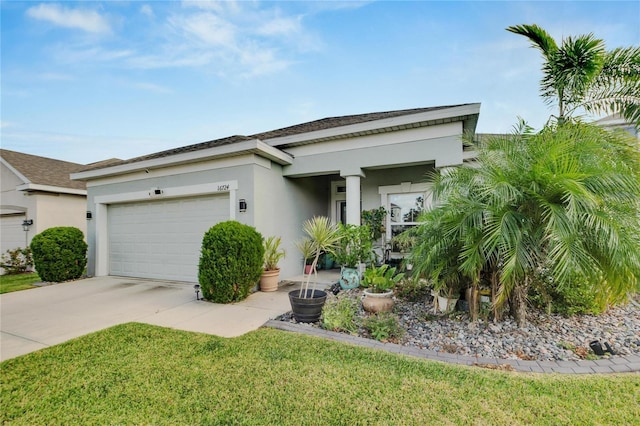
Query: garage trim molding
[(102, 201)]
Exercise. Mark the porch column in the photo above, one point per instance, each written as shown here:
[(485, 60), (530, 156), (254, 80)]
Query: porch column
[(353, 198)]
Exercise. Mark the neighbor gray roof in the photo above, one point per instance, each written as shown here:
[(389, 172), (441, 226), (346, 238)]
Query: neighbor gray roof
[(311, 126), (44, 171)]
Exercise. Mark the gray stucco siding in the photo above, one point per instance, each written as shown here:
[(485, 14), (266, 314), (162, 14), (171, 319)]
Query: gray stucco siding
[(165, 179), (282, 205), (376, 178), (445, 151)]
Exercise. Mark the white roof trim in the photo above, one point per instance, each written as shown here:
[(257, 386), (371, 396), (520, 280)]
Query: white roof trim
[(50, 188), (403, 120), (251, 146)]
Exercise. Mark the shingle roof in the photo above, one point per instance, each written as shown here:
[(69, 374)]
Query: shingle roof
[(174, 151), (345, 120), (311, 126), (44, 171)]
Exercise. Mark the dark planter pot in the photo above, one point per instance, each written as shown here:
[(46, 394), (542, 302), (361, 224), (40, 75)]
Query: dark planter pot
[(307, 309)]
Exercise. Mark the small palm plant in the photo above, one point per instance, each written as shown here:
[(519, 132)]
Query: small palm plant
[(307, 249), (272, 253), (323, 237)]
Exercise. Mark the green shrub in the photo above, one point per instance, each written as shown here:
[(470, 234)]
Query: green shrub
[(575, 297), (17, 261), (339, 314), (59, 254), (231, 262), (384, 326), (413, 289)]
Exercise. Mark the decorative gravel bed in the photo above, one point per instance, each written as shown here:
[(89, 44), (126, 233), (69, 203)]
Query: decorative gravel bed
[(545, 337)]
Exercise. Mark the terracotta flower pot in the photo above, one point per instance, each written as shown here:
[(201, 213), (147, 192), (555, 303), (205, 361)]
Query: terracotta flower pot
[(377, 302), (269, 280)]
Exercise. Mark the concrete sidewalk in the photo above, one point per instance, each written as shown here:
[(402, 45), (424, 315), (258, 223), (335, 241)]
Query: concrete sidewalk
[(38, 318)]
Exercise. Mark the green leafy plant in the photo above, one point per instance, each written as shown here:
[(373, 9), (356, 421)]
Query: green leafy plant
[(354, 245), (322, 237), (272, 253), (384, 326), (404, 241), (340, 313), (59, 254), (413, 289), (577, 296), (231, 261), (17, 261), (306, 248), (566, 197), (374, 219), (381, 279)]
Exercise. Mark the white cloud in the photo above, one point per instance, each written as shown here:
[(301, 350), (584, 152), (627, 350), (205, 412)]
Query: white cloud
[(281, 26), (146, 10), (86, 20), (207, 27)]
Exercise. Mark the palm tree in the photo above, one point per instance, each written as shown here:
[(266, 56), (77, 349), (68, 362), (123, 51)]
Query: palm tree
[(581, 73), (564, 199)]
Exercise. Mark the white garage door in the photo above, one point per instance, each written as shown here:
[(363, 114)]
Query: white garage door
[(162, 239), (11, 233)]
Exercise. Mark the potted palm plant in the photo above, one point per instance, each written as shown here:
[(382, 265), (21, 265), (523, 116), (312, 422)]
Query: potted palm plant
[(307, 303), (271, 272), (354, 247), (379, 283), (306, 248)]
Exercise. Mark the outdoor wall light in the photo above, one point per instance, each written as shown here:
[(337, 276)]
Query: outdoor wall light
[(26, 224), (89, 215), (197, 289), (243, 205)]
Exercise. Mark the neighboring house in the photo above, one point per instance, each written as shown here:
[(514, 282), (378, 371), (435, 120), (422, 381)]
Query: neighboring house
[(149, 214), (616, 121), (40, 190)]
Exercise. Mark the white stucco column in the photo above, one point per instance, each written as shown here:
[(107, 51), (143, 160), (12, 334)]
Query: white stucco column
[(353, 200)]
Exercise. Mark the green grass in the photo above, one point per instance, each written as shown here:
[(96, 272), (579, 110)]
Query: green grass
[(142, 374), (9, 283)]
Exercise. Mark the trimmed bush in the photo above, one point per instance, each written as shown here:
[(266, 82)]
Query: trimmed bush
[(59, 254), (230, 262)]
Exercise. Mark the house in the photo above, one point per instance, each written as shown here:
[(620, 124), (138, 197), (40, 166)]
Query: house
[(149, 214), (616, 121), (37, 193)]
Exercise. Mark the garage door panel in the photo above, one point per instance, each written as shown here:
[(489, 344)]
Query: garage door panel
[(162, 239)]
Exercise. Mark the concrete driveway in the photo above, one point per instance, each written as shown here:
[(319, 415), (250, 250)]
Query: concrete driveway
[(38, 318)]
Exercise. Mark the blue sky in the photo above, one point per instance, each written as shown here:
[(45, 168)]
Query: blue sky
[(87, 81)]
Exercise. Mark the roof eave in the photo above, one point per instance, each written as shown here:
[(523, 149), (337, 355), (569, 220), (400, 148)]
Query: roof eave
[(253, 146), (32, 187), (390, 124)]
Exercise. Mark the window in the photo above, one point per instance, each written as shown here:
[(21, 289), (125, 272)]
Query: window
[(404, 203), (404, 210)]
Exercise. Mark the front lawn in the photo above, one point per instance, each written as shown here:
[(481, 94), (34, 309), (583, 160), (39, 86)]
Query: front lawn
[(142, 374), (9, 283)]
